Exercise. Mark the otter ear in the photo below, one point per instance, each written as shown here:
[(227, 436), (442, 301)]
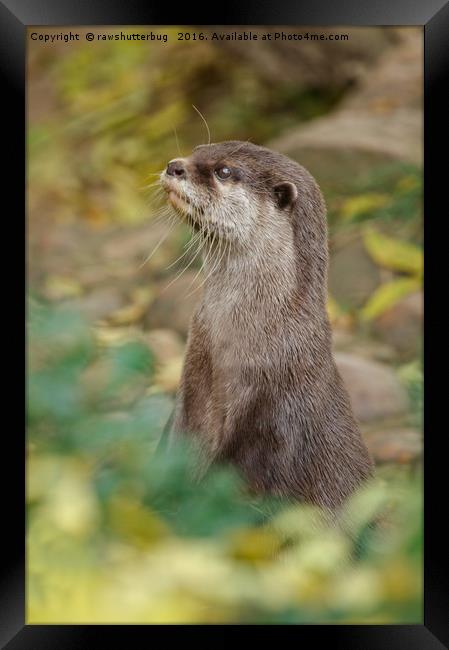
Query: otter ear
[(285, 194)]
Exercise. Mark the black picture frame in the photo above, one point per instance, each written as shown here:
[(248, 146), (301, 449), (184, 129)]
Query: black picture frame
[(433, 15)]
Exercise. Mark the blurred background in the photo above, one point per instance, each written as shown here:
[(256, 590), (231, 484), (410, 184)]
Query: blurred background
[(115, 535)]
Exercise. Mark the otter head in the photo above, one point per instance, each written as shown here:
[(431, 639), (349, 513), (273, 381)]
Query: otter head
[(234, 190)]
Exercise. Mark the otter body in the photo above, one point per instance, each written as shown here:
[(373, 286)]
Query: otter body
[(259, 387)]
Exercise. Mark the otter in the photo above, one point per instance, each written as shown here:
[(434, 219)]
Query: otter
[(259, 386)]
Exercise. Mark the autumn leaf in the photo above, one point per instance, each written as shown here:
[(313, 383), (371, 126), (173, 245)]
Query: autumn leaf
[(58, 287), (394, 254), (333, 309), (362, 204), (387, 295)]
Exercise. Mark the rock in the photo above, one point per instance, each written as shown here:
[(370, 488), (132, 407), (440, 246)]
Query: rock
[(395, 446), (98, 304), (396, 78), (146, 249), (341, 338), (374, 389), (344, 341), (389, 136), (92, 275), (401, 326), (173, 307), (133, 243), (322, 64), (347, 341), (373, 350), (378, 122), (165, 344), (353, 276)]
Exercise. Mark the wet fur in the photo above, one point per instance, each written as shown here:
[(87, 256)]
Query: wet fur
[(259, 387)]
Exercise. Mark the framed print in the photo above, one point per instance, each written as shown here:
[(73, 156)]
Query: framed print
[(224, 277)]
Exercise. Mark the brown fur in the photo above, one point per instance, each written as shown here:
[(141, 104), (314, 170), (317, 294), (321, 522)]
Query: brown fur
[(259, 387)]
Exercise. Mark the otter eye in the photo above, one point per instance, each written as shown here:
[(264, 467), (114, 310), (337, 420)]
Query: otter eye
[(223, 173)]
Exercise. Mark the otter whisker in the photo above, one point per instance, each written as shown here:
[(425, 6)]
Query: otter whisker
[(229, 252), (200, 248), (154, 199), (210, 259), (162, 239), (206, 258), (204, 120), (213, 269), (164, 214), (150, 185), (211, 252), (190, 244), (221, 255), (183, 271), (158, 173)]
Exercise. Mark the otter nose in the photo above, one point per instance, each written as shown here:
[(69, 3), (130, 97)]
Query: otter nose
[(176, 168)]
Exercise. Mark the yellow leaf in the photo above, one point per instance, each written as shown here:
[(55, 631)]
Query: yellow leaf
[(361, 204), (111, 336), (401, 581), (333, 309), (359, 589), (253, 545), (392, 253), (143, 295), (168, 376), (408, 183), (133, 521), (141, 299), (387, 295), (58, 287)]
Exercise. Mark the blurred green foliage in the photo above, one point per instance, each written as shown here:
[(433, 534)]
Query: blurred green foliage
[(382, 208), (119, 533), (412, 377), (390, 194)]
